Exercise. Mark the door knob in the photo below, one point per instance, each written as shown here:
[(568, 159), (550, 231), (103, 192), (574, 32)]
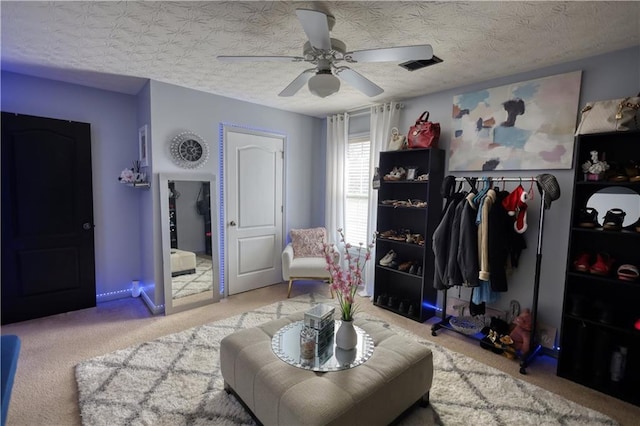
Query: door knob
[(86, 226), (232, 223)]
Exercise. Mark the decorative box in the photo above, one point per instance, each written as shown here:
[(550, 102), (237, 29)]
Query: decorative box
[(324, 337), (319, 316), (326, 353)]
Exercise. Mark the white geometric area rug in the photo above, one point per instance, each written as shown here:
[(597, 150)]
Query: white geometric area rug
[(175, 380)]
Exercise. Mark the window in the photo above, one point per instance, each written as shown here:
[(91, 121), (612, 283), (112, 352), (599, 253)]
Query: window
[(358, 180)]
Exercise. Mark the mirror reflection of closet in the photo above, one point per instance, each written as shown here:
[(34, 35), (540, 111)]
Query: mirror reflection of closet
[(189, 241), (613, 197)]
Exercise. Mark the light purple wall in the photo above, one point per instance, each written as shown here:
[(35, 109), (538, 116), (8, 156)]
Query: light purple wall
[(114, 145), (127, 233), (176, 109)]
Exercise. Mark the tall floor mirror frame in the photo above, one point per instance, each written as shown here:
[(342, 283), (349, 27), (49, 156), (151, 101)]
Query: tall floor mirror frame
[(173, 305)]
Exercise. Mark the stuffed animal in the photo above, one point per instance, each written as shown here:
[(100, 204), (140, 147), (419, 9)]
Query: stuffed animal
[(521, 334)]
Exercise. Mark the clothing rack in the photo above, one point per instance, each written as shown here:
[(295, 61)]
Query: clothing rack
[(526, 359)]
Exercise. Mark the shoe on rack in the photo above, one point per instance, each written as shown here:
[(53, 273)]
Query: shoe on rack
[(628, 272), (582, 262), (588, 218), (411, 311), (405, 266), (388, 258), (388, 234), (603, 264), (392, 302), (613, 219), (632, 169)]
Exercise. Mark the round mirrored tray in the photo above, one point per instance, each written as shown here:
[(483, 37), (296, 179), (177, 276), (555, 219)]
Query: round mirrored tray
[(286, 345)]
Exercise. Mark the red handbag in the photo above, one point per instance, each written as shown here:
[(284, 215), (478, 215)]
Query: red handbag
[(424, 134)]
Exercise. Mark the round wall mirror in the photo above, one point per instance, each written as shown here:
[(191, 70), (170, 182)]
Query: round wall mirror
[(613, 197)]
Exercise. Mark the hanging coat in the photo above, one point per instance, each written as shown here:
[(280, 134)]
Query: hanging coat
[(500, 231), (483, 235), (468, 243), (440, 245), (454, 274)]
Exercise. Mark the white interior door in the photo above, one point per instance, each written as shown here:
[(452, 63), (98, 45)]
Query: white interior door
[(253, 208)]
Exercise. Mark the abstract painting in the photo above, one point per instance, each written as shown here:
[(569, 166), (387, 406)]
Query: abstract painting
[(522, 126)]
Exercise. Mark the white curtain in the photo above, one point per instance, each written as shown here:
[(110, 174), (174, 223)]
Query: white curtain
[(337, 138), (383, 118)]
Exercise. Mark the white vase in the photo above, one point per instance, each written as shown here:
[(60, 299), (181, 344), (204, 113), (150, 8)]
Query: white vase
[(346, 336), (345, 358)]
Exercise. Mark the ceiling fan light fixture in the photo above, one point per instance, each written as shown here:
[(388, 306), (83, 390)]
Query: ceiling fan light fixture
[(323, 85)]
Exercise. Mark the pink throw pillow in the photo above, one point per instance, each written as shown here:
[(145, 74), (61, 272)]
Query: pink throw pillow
[(308, 242)]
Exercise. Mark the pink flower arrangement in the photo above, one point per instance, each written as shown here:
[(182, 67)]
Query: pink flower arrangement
[(345, 282)]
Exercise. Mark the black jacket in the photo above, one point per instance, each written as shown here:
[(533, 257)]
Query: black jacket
[(440, 246), (468, 243), (500, 230)]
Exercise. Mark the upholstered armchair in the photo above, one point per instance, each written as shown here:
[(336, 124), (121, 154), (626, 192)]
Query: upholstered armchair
[(303, 258)]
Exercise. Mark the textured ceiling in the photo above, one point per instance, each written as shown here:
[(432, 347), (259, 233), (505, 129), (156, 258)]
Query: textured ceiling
[(114, 45)]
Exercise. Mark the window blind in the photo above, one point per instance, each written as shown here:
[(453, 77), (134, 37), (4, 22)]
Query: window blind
[(357, 192)]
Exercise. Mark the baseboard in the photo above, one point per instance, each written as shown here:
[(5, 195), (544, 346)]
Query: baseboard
[(155, 309)]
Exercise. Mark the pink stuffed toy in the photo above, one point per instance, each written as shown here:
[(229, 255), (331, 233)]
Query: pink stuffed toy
[(521, 334)]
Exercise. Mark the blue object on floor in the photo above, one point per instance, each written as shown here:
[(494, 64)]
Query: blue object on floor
[(10, 349)]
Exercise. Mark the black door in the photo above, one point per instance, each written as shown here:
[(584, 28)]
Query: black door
[(48, 264)]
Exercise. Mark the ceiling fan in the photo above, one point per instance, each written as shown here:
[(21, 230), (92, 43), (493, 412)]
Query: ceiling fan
[(325, 52)]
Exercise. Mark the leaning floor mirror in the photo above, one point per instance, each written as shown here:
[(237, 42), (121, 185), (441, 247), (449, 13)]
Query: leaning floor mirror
[(189, 240)]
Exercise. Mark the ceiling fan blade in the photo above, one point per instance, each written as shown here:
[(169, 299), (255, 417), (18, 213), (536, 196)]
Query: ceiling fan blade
[(358, 81), (297, 83), (316, 26), (392, 54), (260, 58)]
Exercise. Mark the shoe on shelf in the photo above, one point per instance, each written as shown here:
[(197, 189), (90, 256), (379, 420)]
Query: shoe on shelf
[(411, 311), (588, 218), (388, 258), (397, 173), (628, 272), (388, 234), (405, 266), (582, 263), (613, 219), (603, 264), (382, 299), (632, 169), (578, 305)]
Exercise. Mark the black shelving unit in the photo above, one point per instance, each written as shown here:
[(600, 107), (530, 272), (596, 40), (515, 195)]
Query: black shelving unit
[(408, 293), (599, 312)]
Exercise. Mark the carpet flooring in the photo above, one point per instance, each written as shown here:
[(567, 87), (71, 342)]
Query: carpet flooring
[(175, 379)]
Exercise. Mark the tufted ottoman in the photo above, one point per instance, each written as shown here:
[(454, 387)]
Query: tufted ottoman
[(398, 374)]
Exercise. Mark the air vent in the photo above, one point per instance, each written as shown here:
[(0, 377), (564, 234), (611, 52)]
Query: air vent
[(420, 63)]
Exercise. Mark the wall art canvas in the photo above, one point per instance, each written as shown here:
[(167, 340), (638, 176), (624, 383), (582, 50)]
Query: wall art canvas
[(522, 126)]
